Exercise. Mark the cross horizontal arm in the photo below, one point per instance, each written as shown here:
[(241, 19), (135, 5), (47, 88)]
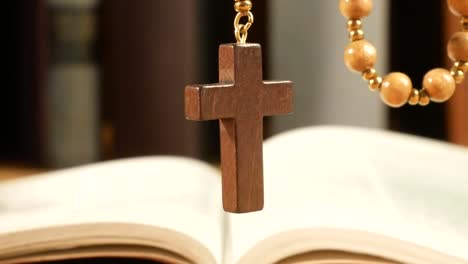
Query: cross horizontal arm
[(277, 98), (209, 102)]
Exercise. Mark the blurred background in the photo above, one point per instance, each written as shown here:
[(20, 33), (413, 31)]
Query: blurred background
[(90, 80)]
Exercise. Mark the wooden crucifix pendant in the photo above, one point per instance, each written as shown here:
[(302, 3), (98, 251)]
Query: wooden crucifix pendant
[(240, 101)]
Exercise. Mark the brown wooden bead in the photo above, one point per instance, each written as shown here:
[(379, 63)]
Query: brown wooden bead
[(360, 56), (458, 47), (414, 97), (424, 98), (439, 85), (458, 7), (355, 9), (396, 88)]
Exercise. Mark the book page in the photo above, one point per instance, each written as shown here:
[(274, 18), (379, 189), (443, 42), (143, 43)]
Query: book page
[(344, 189), (171, 193), (334, 257)]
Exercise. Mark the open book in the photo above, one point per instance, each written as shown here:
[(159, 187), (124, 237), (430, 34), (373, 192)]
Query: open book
[(333, 195)]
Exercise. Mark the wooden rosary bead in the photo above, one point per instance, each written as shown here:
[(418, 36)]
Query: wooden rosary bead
[(355, 35), (355, 9), (243, 5), (457, 74), (458, 7), (414, 97), (424, 98), (458, 47), (439, 85), (375, 83), (395, 90), (360, 56)]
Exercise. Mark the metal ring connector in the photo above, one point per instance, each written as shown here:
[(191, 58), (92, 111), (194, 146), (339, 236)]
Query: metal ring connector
[(241, 30)]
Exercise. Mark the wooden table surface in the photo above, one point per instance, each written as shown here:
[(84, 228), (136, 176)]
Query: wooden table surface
[(7, 173)]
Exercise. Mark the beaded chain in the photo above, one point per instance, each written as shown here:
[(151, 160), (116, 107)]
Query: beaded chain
[(396, 89), (242, 8)]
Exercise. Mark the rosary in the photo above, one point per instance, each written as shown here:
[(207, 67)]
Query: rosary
[(241, 98), (396, 89)]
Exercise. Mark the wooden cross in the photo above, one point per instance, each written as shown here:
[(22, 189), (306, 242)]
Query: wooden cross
[(240, 101)]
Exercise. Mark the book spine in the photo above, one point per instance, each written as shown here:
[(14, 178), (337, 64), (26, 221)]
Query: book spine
[(73, 84)]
